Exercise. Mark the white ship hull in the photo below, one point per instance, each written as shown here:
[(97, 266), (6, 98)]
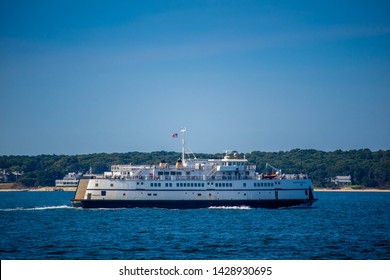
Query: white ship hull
[(110, 193)]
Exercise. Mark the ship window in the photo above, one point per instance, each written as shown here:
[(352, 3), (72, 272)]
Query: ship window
[(166, 184), (103, 193), (177, 184), (96, 185), (149, 194), (170, 184), (160, 173), (231, 184), (159, 184), (181, 184), (151, 184), (154, 194), (124, 194), (192, 184), (142, 183), (199, 194), (137, 183), (173, 173), (111, 184), (202, 184)]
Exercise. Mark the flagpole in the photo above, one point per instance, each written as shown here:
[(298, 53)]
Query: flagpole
[(183, 143)]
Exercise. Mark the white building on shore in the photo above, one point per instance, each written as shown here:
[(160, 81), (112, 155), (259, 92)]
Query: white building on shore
[(342, 180)]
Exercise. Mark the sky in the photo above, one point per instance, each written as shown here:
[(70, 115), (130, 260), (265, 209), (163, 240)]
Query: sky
[(80, 77)]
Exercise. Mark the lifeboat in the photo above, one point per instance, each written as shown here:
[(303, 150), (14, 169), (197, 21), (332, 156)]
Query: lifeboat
[(269, 176)]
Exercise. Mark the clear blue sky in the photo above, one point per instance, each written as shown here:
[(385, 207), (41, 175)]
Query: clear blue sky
[(80, 77)]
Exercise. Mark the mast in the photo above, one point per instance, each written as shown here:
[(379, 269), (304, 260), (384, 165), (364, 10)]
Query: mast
[(183, 144)]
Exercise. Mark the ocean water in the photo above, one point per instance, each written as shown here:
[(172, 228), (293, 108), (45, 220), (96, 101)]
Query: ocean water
[(43, 225)]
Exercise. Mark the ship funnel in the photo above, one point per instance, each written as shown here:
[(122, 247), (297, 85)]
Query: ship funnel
[(179, 163)]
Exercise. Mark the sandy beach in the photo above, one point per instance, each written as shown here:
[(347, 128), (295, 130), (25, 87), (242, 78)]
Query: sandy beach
[(16, 188), (350, 190)]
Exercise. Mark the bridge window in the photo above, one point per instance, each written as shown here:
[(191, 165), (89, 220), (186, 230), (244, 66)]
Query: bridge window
[(103, 193)]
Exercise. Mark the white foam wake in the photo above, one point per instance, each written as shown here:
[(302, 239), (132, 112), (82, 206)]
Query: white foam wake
[(37, 208), (231, 207)]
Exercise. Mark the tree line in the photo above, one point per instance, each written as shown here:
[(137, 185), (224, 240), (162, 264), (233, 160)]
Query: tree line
[(368, 168)]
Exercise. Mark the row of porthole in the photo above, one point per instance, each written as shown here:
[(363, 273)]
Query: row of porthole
[(104, 193), (202, 184)]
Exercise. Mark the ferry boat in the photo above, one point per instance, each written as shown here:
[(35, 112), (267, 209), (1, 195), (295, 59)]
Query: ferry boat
[(70, 180), (194, 183)]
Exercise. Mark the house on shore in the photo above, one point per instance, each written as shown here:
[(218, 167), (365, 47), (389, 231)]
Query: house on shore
[(341, 181)]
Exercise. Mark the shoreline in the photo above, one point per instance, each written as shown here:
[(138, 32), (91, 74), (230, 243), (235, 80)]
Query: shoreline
[(40, 189), (350, 190), (73, 189)]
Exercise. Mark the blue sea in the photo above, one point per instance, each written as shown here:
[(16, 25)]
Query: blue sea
[(341, 225)]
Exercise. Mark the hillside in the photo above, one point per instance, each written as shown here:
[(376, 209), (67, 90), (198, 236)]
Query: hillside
[(368, 168)]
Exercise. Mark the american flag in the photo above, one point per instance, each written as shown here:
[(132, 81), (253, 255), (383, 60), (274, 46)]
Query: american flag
[(174, 135)]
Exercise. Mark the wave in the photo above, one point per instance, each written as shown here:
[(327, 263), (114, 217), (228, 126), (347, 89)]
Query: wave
[(38, 208), (231, 207)]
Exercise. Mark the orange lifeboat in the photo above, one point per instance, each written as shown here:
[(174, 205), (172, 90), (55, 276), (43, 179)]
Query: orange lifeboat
[(269, 176)]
